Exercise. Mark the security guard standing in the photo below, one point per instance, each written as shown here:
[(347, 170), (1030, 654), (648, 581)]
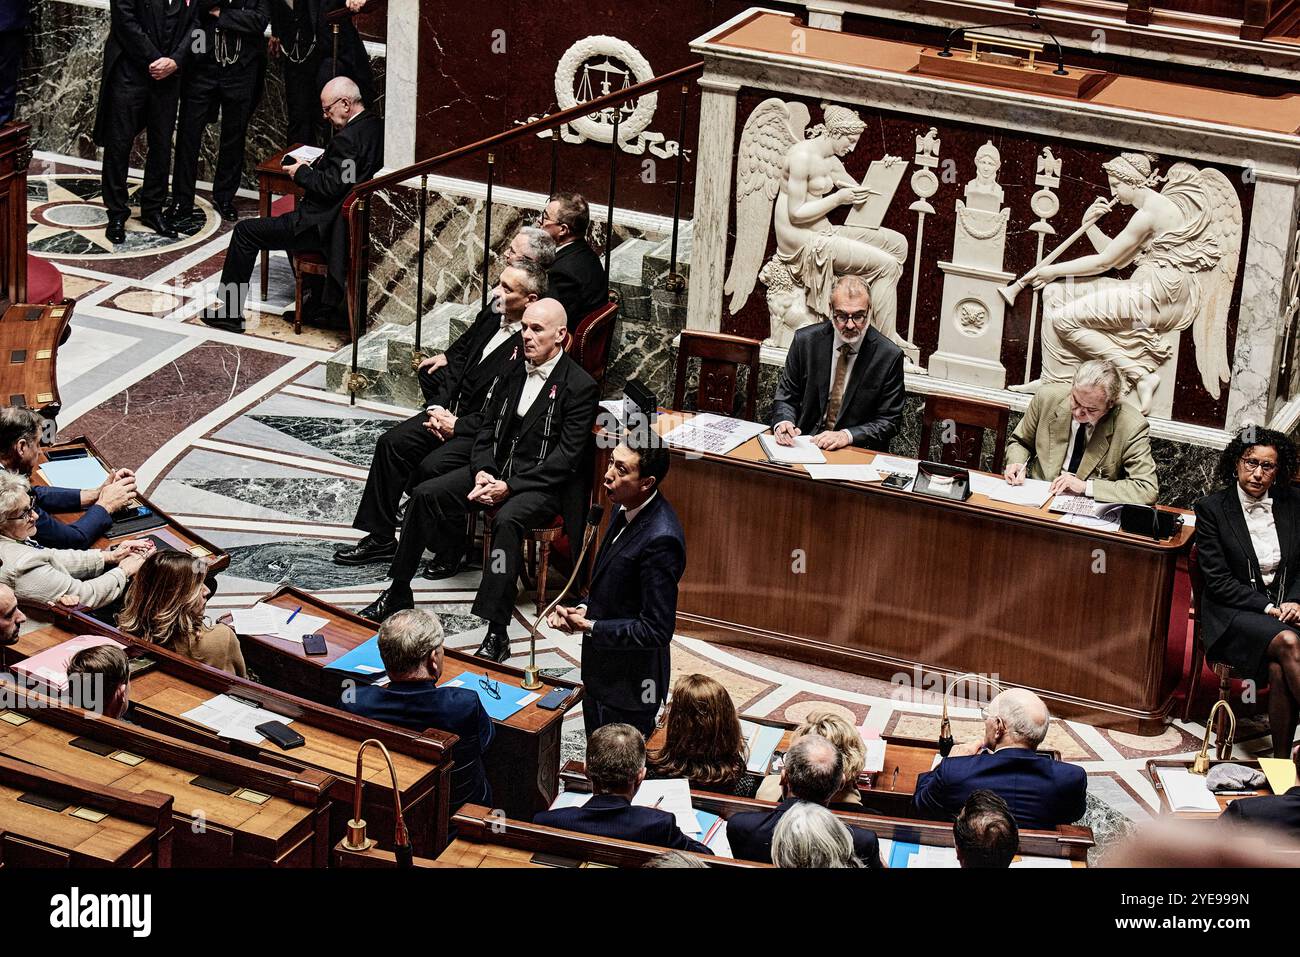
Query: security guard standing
[(226, 73)]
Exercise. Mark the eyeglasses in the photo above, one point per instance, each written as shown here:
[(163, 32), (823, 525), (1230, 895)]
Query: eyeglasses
[(1268, 468), (29, 510), (325, 111), (491, 687), (852, 318)]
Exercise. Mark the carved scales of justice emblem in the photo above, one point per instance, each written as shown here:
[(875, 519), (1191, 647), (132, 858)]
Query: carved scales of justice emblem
[(597, 66)]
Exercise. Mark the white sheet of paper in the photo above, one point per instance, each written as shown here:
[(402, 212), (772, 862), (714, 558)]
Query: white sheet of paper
[(892, 463), (674, 796), (875, 755), (1090, 521), (1042, 862), (233, 719), (708, 432), (803, 452), (1186, 791), (308, 154), (934, 855), (1033, 493), (569, 799), (844, 473), (263, 619)]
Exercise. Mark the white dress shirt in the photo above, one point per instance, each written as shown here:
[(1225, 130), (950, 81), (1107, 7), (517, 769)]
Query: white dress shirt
[(1263, 533), (1069, 447), (504, 332), (537, 376), (630, 514)]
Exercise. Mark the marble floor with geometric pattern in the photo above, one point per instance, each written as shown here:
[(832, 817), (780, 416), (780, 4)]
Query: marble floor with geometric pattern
[(238, 437)]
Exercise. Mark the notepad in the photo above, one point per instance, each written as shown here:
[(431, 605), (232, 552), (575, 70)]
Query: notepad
[(508, 698), (803, 452), (85, 472), (1186, 791)]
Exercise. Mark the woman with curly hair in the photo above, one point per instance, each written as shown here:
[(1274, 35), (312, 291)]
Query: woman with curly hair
[(703, 741), (1248, 546), (166, 605)]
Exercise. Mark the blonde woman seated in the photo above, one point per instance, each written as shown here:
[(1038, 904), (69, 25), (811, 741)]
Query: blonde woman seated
[(94, 577), (847, 741), (165, 605), (703, 741)]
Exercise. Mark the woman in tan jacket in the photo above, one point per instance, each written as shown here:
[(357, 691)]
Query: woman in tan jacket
[(165, 605)]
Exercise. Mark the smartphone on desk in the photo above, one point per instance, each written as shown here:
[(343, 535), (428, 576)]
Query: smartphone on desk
[(130, 512), (59, 455), (314, 645), (897, 481)]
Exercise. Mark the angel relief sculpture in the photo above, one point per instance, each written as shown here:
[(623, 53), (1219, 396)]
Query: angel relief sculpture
[(1185, 242), (795, 179)]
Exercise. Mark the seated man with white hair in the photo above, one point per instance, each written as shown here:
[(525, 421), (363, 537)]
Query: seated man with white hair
[(1080, 437), (1041, 792), (808, 835)]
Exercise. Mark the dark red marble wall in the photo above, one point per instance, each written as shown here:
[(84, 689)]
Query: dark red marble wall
[(1083, 181)]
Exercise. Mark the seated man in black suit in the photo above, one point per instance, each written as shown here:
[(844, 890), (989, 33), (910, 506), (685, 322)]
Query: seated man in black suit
[(315, 224), (526, 464), (1041, 792), (20, 449), (843, 381), (985, 834), (1279, 811), (628, 618), (616, 768), (813, 771), (441, 437), (410, 644), (578, 277)]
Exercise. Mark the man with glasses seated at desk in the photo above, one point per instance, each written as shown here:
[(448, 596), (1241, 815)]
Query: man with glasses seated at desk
[(843, 380)]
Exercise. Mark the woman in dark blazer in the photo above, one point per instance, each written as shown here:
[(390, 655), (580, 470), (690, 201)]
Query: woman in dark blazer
[(1248, 542)]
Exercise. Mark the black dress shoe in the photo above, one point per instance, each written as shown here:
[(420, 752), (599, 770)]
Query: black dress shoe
[(228, 212), (182, 217), (115, 231), (366, 551), (159, 224), (387, 604), (495, 647), (436, 569), (221, 322)]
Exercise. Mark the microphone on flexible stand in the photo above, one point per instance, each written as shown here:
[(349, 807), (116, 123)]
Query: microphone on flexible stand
[(532, 674), (356, 839), (945, 726)]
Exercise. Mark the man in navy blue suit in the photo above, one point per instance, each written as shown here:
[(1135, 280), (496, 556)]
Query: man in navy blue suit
[(1281, 811), (20, 449), (410, 645), (616, 768), (813, 771), (1041, 792), (628, 618)]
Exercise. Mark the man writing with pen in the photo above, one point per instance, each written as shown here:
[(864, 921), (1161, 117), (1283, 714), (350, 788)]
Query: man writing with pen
[(20, 449)]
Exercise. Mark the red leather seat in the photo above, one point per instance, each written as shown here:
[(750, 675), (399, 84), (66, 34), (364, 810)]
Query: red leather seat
[(44, 281)]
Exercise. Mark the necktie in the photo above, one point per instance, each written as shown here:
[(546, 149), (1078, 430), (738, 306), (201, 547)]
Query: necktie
[(1076, 453), (837, 387), (616, 525)]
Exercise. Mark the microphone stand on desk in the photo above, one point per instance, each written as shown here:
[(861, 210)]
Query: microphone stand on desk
[(532, 674), (356, 839)]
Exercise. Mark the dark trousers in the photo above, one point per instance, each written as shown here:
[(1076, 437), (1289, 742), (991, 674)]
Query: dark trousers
[(138, 103), (596, 715), (405, 455), (207, 88), (437, 502), (250, 237), (11, 60), (302, 102)]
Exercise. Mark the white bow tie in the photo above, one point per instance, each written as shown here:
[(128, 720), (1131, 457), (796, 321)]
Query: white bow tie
[(536, 371), (1263, 505)]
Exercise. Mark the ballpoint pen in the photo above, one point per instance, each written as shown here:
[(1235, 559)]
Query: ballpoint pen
[(894, 780), (294, 615)]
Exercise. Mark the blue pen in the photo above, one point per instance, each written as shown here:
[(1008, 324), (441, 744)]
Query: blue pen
[(294, 615)]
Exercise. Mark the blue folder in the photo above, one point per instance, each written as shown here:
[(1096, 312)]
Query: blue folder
[(498, 708), (85, 472), (363, 660), (902, 854)]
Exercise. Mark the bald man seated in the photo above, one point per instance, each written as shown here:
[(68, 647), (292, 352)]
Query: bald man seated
[(1041, 791)]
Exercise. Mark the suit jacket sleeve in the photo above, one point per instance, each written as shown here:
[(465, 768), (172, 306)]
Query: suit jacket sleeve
[(931, 792), (1139, 485), (790, 387), (80, 534), (458, 361), (1224, 587), (185, 36), (579, 412), (485, 727), (879, 430), (482, 458), (124, 21), (680, 842), (55, 499), (661, 565), (250, 21), (564, 287), (1020, 443), (334, 174), (281, 19)]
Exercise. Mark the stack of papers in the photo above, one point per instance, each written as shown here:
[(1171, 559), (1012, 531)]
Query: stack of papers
[(507, 700), (894, 465), (1086, 512), (1033, 493), (843, 473), (308, 154), (85, 472), (264, 619), (1186, 791), (232, 718), (803, 452), (674, 796), (717, 434), (762, 741), (907, 854)]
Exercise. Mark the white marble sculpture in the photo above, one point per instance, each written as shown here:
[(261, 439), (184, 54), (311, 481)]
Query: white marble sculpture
[(1045, 205), (795, 179), (1184, 241)]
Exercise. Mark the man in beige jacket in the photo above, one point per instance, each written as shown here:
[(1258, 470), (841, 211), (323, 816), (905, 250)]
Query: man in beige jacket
[(1083, 440)]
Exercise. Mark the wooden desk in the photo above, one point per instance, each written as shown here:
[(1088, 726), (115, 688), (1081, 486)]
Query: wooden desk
[(887, 583), (175, 685), (1224, 799), (173, 532), (272, 180), (523, 761), (133, 830), (272, 818)]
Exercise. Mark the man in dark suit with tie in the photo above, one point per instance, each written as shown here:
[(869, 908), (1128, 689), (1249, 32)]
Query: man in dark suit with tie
[(1278, 811), (577, 277), (1041, 791), (527, 464), (628, 618), (410, 645), (149, 41), (843, 381), (13, 23), (441, 438), (813, 771), (353, 156), (616, 768), (225, 72)]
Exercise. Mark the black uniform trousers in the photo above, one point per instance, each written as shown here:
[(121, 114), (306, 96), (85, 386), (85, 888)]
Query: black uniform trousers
[(302, 100), (249, 238), (11, 60), (137, 103), (596, 715), (438, 501), (206, 87)]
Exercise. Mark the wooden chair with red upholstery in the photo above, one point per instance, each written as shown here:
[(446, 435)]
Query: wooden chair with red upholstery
[(590, 342), (303, 264), (970, 419), (721, 357)]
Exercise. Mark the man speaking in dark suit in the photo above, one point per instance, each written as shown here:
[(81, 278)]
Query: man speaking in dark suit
[(628, 618), (843, 381), (577, 278), (148, 44), (526, 463), (315, 223), (441, 438)]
